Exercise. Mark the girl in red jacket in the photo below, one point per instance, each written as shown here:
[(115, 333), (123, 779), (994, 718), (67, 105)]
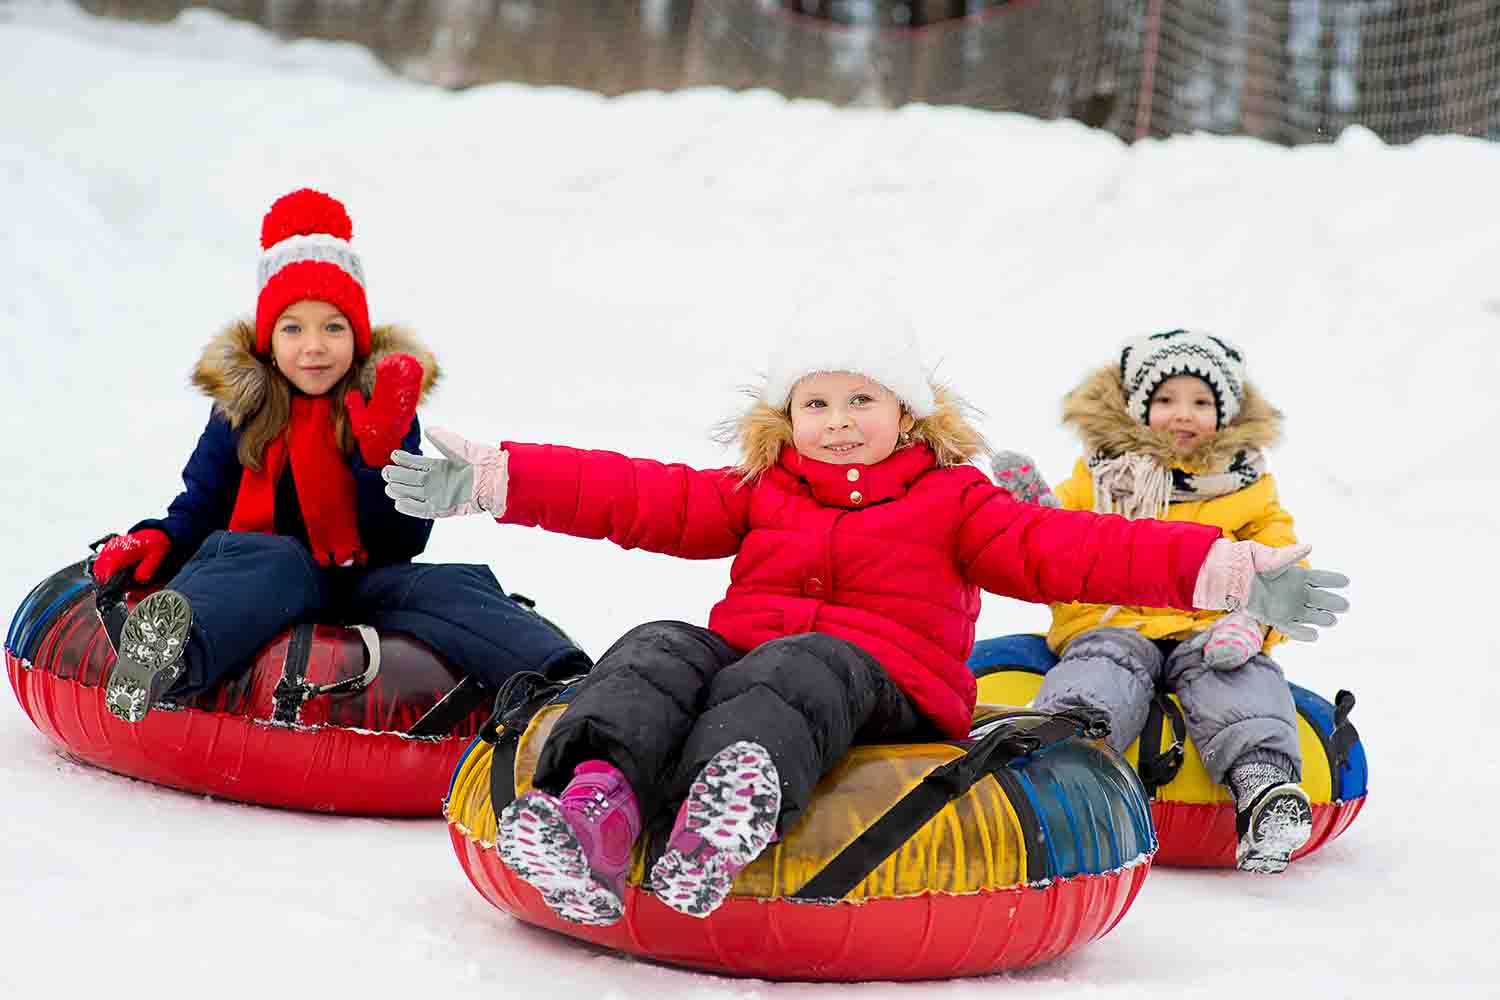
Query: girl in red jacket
[(862, 539), (283, 517)]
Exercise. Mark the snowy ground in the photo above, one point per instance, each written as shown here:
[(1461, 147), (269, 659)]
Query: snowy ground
[(604, 273)]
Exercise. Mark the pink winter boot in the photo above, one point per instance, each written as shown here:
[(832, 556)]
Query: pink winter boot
[(575, 848), (727, 820)]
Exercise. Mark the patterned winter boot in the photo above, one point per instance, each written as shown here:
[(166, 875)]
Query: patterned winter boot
[(728, 818), (1272, 817), (575, 848), (148, 659)]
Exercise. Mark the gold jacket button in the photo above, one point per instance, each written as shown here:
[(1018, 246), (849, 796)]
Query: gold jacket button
[(856, 497), (853, 475)]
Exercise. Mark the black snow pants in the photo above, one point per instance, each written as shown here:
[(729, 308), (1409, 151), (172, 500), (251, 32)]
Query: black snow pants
[(668, 696)]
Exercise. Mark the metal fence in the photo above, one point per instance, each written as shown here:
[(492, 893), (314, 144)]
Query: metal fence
[(1290, 71)]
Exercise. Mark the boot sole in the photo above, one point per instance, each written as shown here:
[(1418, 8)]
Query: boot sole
[(537, 843), (1280, 824), (738, 798), (149, 659)]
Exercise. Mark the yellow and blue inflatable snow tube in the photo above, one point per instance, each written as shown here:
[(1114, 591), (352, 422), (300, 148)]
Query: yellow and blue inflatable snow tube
[(916, 861), (1194, 817)]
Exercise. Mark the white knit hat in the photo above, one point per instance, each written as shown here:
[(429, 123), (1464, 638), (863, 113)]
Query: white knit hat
[(1147, 362), (859, 331)]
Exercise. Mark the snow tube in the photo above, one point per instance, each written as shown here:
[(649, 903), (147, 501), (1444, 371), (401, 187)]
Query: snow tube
[(1194, 817), (914, 861), (328, 718)]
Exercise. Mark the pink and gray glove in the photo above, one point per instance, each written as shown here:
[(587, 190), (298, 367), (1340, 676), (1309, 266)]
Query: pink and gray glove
[(1269, 586), (469, 479), (1016, 474), (1232, 640)]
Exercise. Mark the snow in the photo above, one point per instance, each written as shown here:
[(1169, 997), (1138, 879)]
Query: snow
[(606, 273)]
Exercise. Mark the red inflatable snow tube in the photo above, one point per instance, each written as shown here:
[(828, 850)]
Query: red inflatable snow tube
[(321, 721)]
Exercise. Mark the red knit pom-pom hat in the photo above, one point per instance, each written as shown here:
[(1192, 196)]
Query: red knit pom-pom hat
[(305, 254)]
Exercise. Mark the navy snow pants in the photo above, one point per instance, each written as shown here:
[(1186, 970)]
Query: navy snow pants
[(246, 588)]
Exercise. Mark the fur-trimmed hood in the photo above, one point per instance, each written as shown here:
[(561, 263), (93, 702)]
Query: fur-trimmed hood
[(235, 378), (763, 431), (1096, 411)]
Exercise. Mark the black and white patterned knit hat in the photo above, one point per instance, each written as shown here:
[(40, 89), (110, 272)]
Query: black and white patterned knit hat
[(1147, 362)]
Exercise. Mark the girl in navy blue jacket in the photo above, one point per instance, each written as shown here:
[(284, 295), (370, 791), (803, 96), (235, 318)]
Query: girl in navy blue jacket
[(284, 517)]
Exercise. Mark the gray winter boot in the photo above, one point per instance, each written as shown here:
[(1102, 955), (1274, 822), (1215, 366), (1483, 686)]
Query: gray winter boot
[(1272, 817), (149, 657)]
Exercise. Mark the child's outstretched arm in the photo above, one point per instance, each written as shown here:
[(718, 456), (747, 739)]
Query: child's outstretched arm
[(1043, 555), (636, 503), (1049, 555)]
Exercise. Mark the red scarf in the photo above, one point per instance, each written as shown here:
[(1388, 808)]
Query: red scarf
[(325, 485)]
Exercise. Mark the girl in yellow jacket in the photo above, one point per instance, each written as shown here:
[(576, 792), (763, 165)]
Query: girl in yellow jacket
[(1175, 432)]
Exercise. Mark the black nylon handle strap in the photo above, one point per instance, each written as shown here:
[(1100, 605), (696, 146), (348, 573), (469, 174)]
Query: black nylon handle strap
[(109, 599), (292, 690), (1344, 735), (518, 700), (942, 785), (452, 708), (1159, 767)]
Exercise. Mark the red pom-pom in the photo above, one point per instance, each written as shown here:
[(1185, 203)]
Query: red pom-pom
[(303, 213)]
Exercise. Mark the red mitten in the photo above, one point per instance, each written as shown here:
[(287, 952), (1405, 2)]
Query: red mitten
[(144, 549), (380, 424)]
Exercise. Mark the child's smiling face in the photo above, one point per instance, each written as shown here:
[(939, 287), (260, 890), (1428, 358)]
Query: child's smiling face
[(312, 344), (1183, 408), (846, 419)]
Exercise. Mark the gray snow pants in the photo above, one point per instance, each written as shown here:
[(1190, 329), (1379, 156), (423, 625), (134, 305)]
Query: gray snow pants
[(1238, 716)]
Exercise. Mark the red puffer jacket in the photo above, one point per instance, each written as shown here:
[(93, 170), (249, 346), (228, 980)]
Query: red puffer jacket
[(890, 556)]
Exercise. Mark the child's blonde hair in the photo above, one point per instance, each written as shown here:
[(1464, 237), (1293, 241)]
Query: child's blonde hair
[(762, 431)]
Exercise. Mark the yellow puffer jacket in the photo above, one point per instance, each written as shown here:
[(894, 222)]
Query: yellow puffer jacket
[(1096, 409)]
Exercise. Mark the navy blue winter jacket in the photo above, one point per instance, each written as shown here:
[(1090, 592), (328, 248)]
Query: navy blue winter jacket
[(212, 483)]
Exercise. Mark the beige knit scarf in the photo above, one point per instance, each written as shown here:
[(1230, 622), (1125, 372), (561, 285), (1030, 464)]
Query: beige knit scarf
[(1136, 485)]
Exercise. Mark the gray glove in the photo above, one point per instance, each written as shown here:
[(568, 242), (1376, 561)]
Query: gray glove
[(1016, 473), (469, 479), (1267, 584), (1290, 598)]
